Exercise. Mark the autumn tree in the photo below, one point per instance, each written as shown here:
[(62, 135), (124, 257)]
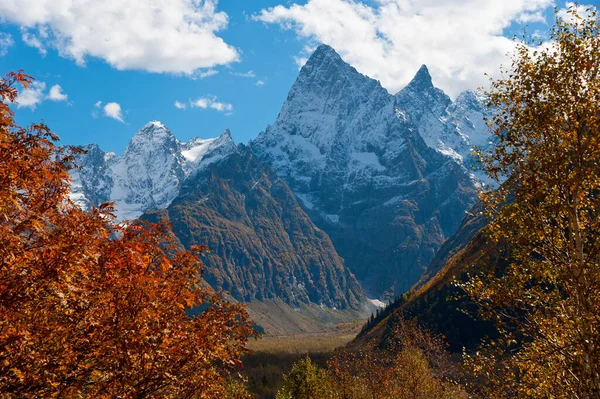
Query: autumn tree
[(414, 365), (547, 143), (93, 309), (306, 380)]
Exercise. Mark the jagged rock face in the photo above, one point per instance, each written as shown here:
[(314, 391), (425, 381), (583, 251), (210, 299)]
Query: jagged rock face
[(91, 185), (148, 175), (452, 128), (150, 172), (364, 173), (262, 244)]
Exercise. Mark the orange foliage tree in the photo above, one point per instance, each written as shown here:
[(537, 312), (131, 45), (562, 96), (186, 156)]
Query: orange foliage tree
[(89, 308)]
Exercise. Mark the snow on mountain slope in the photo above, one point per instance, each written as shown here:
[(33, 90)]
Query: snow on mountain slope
[(148, 175), (91, 185), (386, 177), (452, 128), (359, 165), (196, 149), (336, 123)]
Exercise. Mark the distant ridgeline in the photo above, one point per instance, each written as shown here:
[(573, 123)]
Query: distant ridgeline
[(352, 190)]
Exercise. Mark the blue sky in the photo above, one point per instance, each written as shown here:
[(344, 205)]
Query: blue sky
[(233, 65)]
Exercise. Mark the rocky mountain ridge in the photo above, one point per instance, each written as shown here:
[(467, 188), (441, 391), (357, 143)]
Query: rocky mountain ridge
[(262, 244), (357, 158), (149, 174), (452, 128)]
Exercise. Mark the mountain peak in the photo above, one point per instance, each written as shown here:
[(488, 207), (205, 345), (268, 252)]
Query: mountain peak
[(223, 138), (329, 77), (154, 125), (155, 131), (154, 128), (324, 60), (325, 50), (225, 141), (424, 71), (422, 79), (207, 151), (421, 94), (226, 135), (471, 98)]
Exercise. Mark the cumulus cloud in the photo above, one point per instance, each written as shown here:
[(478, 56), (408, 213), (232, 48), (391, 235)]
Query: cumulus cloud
[(260, 83), (211, 103), (36, 94), (110, 110), (174, 36), (459, 40), (113, 110), (32, 96), (56, 94), (6, 41), (180, 105)]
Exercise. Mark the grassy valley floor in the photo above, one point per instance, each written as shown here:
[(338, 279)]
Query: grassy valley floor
[(273, 355)]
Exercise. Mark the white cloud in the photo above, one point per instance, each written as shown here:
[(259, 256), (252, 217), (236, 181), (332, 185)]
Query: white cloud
[(180, 105), (529, 17), (32, 40), (174, 36), (211, 103), (113, 110), (96, 109), (260, 83), (31, 96), (6, 41), (56, 94), (199, 75), (459, 40), (300, 61), (249, 74), (36, 94)]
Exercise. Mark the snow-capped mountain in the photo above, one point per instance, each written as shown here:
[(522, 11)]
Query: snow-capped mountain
[(368, 168), (148, 175), (452, 128)]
